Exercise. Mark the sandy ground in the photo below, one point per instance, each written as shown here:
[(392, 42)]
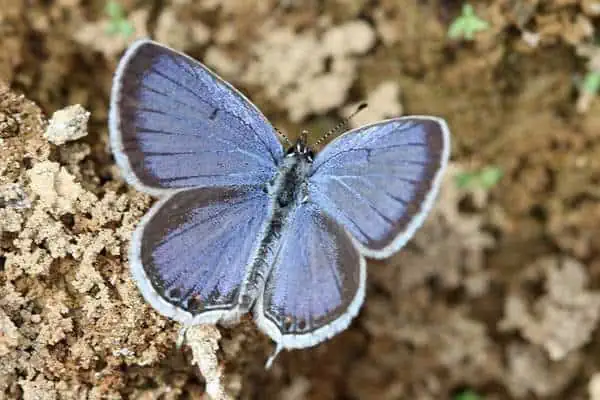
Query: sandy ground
[(497, 296)]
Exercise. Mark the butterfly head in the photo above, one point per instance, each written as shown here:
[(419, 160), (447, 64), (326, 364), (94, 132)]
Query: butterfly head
[(301, 148)]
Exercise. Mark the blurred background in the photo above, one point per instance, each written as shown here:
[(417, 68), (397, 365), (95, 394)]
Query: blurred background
[(496, 297)]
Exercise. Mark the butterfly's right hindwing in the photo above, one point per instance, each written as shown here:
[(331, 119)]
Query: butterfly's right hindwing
[(316, 284)]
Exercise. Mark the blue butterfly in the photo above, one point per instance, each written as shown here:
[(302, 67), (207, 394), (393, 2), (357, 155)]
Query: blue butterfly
[(243, 226)]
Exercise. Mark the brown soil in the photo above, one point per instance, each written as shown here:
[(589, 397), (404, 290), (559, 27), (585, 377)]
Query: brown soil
[(499, 292)]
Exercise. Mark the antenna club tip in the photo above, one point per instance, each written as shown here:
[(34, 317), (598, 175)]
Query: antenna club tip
[(362, 106)]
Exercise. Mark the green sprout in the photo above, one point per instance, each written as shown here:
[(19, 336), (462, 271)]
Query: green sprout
[(591, 82), (486, 178), (468, 395), (118, 23), (467, 24)]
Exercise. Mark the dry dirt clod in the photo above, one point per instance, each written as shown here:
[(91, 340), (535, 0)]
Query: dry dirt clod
[(67, 125)]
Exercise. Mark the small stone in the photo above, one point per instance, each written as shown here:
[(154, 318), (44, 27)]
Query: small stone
[(204, 342), (67, 124)]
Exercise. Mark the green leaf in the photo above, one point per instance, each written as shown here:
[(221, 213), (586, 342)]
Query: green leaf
[(490, 176), (112, 28), (467, 24), (591, 82), (114, 10), (468, 395), (464, 179), (486, 178), (118, 24), (126, 28)]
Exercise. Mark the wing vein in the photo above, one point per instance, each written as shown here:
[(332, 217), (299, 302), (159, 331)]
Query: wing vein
[(332, 269), (207, 219), (378, 188), (358, 228), (366, 201), (221, 87)]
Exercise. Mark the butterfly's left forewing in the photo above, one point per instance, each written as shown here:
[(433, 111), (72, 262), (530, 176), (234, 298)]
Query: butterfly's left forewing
[(379, 181), (174, 124)]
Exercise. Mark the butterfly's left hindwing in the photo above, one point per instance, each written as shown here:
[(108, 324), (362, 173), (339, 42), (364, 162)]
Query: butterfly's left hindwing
[(189, 256)]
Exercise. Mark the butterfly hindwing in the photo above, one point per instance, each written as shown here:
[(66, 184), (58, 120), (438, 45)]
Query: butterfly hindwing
[(190, 254), (175, 124), (379, 181), (316, 284)]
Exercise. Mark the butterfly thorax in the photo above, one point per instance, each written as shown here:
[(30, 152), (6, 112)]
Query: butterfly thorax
[(289, 186)]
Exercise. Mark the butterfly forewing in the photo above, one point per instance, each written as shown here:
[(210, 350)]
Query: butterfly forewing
[(316, 284), (190, 254), (174, 124), (380, 180)]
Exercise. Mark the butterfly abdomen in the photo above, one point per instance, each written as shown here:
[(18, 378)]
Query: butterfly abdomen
[(287, 191)]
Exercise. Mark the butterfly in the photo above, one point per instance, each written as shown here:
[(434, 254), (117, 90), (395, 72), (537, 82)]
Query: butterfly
[(243, 226)]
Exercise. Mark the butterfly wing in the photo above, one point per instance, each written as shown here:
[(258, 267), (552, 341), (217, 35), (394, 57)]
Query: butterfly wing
[(379, 181), (190, 253), (316, 284), (175, 124)]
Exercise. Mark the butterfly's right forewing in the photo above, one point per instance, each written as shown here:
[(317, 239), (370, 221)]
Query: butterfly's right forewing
[(379, 181)]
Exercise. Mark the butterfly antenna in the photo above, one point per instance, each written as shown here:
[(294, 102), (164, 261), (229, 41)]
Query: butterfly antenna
[(284, 137), (343, 124)]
